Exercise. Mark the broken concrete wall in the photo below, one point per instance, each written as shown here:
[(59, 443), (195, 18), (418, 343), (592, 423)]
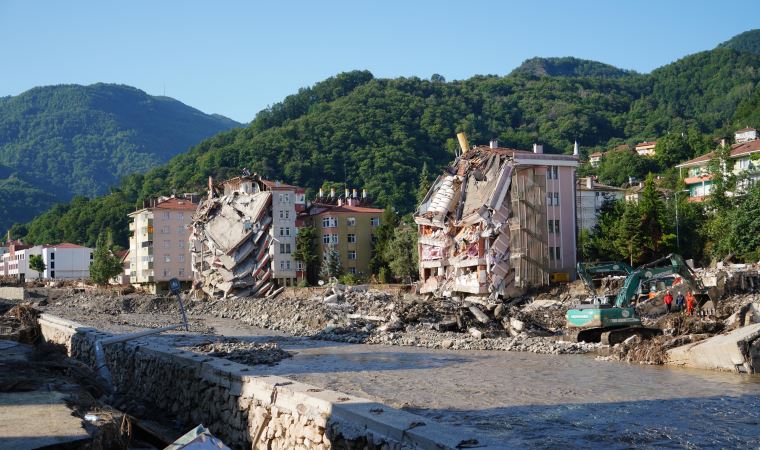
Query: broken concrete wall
[(248, 411), (12, 293), (482, 228), (230, 243), (737, 351)]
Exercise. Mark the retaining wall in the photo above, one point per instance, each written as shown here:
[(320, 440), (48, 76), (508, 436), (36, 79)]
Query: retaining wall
[(248, 411)]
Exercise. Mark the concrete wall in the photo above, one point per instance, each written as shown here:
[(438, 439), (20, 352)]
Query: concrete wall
[(245, 410), (12, 293)]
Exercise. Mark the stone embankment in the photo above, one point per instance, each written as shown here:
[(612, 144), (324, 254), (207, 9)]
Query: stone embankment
[(245, 410)]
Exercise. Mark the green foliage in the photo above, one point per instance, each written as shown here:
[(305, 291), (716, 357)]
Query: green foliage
[(401, 253), (627, 235), (331, 266), (737, 231), (349, 279), (618, 166), (569, 67), (424, 186), (60, 141), (652, 221), (383, 236), (306, 252), (105, 265), (37, 264), (748, 42), (723, 180), (384, 275)]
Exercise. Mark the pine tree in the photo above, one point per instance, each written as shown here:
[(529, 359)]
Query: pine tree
[(383, 234), (628, 237), (105, 265), (306, 252), (401, 253), (331, 267), (652, 210)]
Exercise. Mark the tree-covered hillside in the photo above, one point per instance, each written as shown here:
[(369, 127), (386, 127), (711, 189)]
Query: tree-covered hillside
[(568, 67), (378, 133), (61, 141), (747, 42)]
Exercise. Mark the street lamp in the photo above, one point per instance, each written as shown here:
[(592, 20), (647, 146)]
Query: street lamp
[(678, 235)]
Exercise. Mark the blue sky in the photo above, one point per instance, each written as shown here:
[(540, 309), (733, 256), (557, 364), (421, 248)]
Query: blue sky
[(237, 57)]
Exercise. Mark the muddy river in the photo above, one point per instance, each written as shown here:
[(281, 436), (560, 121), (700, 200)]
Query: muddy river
[(525, 400)]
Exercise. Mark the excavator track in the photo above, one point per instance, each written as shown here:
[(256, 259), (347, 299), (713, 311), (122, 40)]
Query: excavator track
[(616, 335)]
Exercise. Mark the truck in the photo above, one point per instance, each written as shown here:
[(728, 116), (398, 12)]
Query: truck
[(611, 323)]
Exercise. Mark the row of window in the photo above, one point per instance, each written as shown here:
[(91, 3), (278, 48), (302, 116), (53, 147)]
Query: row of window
[(180, 244), (180, 229), (284, 214), (332, 222), (335, 238), (167, 258), (552, 173), (351, 254), (168, 273), (178, 215)]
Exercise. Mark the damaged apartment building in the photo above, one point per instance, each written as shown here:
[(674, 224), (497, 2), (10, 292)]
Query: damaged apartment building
[(243, 237), (497, 222)]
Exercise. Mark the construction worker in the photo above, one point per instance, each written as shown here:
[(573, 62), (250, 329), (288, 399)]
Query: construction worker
[(680, 301), (690, 301), (668, 299)]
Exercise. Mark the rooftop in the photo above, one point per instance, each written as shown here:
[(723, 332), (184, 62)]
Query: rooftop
[(63, 245), (737, 150), (744, 130), (646, 144), (177, 203), (320, 208)]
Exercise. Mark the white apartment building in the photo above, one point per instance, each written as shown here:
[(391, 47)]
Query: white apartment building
[(591, 196), (287, 202), (62, 261)]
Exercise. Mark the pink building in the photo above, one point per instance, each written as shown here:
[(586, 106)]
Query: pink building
[(498, 221)]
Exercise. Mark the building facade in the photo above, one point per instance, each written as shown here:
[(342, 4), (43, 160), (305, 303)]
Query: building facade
[(62, 261), (497, 222), (158, 245), (743, 161), (646, 148), (348, 227), (591, 197)]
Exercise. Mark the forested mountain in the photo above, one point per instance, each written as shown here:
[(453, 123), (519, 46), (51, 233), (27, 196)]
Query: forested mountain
[(747, 42), (377, 133), (61, 141), (568, 67)]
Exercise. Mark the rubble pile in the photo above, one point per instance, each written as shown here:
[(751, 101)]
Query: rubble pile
[(230, 245), (243, 352), (19, 323)]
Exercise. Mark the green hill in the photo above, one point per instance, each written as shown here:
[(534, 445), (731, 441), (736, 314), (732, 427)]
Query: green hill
[(377, 133), (569, 67), (747, 42), (61, 141)]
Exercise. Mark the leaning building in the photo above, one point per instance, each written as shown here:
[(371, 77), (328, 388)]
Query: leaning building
[(498, 221)]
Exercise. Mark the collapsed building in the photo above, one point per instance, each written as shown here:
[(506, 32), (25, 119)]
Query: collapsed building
[(498, 221), (243, 236)]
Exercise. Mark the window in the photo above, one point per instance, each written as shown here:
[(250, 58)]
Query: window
[(167, 273), (552, 172), (329, 222), (180, 215), (325, 238), (167, 258), (743, 164), (52, 264), (181, 244), (52, 256), (352, 270), (91, 255), (167, 215), (350, 221), (284, 198), (164, 230), (352, 255), (333, 238), (284, 265), (284, 231), (551, 226), (284, 248), (554, 254), (374, 221), (554, 226), (556, 199), (284, 214), (181, 258), (373, 238), (181, 229), (52, 274), (181, 272), (167, 244), (299, 266), (351, 238)]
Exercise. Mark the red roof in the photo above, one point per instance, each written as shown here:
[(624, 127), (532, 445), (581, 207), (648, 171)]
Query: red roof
[(737, 150), (64, 245), (122, 254), (177, 203), (346, 209)]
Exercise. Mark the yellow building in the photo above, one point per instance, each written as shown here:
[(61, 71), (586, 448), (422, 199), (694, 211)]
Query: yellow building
[(350, 229)]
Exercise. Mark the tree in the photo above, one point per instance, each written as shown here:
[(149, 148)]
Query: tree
[(105, 265), (722, 181), (628, 239), (331, 266), (652, 210), (672, 149), (383, 235), (401, 253), (742, 234), (424, 186), (306, 252), (618, 166), (37, 264)]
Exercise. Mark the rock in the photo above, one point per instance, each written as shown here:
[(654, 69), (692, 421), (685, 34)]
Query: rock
[(633, 340), (447, 343), (479, 315), (517, 325), (477, 334), (498, 312)]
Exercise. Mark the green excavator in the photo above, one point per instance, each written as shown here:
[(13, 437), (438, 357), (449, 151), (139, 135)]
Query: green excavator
[(593, 273), (611, 323)]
